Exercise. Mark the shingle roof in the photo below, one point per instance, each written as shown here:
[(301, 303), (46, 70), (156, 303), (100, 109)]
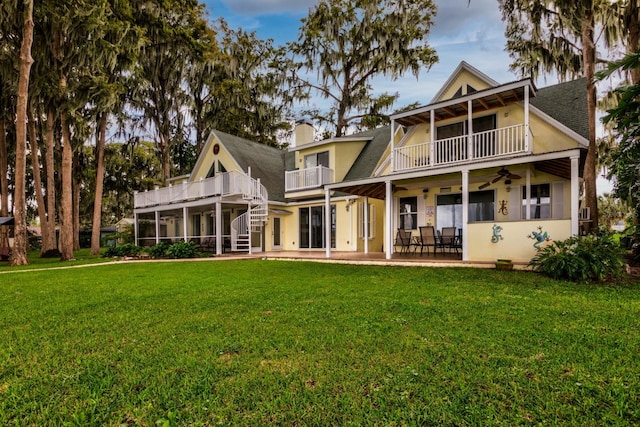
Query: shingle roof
[(267, 163), (368, 159), (567, 103)]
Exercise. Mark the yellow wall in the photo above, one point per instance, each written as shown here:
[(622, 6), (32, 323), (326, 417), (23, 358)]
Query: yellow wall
[(342, 155), (515, 244), (223, 156), (463, 79)]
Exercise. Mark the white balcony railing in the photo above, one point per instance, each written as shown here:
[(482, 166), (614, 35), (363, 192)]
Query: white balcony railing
[(225, 184), (304, 179), (483, 145)]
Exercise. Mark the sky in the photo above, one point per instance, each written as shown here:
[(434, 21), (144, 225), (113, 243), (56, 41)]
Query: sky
[(462, 31)]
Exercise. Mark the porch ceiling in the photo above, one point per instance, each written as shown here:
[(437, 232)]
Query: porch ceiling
[(558, 167), (481, 101), (375, 190)]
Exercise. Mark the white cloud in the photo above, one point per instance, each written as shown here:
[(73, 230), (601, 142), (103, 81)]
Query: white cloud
[(268, 7)]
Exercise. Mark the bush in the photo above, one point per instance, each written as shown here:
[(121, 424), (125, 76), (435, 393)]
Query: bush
[(581, 259), (159, 250), (182, 250), (128, 249)]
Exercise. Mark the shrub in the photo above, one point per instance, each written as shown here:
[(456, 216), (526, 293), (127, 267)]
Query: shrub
[(128, 249), (159, 250), (182, 250), (581, 259)]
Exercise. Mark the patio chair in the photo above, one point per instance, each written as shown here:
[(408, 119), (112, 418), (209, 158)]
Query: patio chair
[(403, 239), (448, 238), (427, 239)]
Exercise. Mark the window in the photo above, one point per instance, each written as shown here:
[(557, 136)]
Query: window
[(372, 220), (449, 208), (312, 234), (482, 206), (409, 213), (220, 169), (316, 159), (540, 202)]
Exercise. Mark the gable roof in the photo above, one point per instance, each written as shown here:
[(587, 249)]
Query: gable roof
[(454, 76), (267, 163), (372, 152), (567, 103)]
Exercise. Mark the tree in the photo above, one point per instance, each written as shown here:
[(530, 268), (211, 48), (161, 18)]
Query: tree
[(559, 36), (349, 42), (625, 158), (20, 244)]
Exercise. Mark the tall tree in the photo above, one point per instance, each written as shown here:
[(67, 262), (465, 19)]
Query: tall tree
[(545, 36), (173, 29), (20, 244), (349, 42)]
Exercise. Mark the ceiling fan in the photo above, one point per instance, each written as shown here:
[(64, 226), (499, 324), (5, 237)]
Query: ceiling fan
[(502, 173)]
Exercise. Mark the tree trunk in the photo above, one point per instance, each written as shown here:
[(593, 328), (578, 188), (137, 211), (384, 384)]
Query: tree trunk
[(589, 173), (49, 243), (634, 37), (97, 200), (20, 243), (66, 229), (4, 182), (75, 170), (37, 179)]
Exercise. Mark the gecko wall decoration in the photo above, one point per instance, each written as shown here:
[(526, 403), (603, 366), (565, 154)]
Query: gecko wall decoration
[(496, 234), (539, 237)]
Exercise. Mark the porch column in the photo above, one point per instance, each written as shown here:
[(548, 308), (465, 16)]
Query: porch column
[(135, 229), (392, 145), (365, 217), (465, 215), (469, 130), (575, 195), (432, 132), (218, 228), (184, 225), (527, 143), (327, 223), (249, 226), (388, 220), (528, 192), (157, 218)]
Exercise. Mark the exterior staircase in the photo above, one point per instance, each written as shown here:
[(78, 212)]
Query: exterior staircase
[(253, 220)]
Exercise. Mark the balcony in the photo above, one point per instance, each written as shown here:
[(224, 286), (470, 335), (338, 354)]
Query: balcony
[(506, 141), (230, 183), (305, 179)]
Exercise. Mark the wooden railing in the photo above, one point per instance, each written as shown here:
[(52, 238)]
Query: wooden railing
[(225, 184), (304, 179), (461, 149)]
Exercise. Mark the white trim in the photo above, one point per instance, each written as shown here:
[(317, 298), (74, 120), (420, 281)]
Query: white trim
[(456, 73), (575, 195), (330, 141), (213, 137), (386, 161)]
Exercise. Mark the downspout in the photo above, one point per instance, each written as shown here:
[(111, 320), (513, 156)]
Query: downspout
[(218, 228), (184, 224), (157, 218), (135, 230), (365, 218)]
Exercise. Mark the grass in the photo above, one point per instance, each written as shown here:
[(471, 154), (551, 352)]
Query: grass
[(82, 257), (291, 343)]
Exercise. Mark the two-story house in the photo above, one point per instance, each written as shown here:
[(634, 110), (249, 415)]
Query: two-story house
[(497, 163)]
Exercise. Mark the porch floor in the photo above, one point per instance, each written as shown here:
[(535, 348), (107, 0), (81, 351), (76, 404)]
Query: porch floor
[(374, 258)]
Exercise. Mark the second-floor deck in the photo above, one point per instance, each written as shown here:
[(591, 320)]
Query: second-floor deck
[(505, 141), (308, 179)]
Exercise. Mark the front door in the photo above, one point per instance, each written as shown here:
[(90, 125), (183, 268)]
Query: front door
[(276, 233)]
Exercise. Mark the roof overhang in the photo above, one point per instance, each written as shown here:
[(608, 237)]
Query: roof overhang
[(332, 140), (557, 163), (483, 100)]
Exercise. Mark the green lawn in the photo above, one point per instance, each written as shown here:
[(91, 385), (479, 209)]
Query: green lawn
[(293, 343)]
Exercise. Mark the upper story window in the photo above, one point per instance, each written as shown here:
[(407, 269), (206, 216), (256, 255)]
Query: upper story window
[(316, 159), (480, 124)]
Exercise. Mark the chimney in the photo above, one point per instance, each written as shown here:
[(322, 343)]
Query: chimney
[(304, 132)]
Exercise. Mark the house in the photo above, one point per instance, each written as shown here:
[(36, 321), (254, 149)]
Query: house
[(499, 164)]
